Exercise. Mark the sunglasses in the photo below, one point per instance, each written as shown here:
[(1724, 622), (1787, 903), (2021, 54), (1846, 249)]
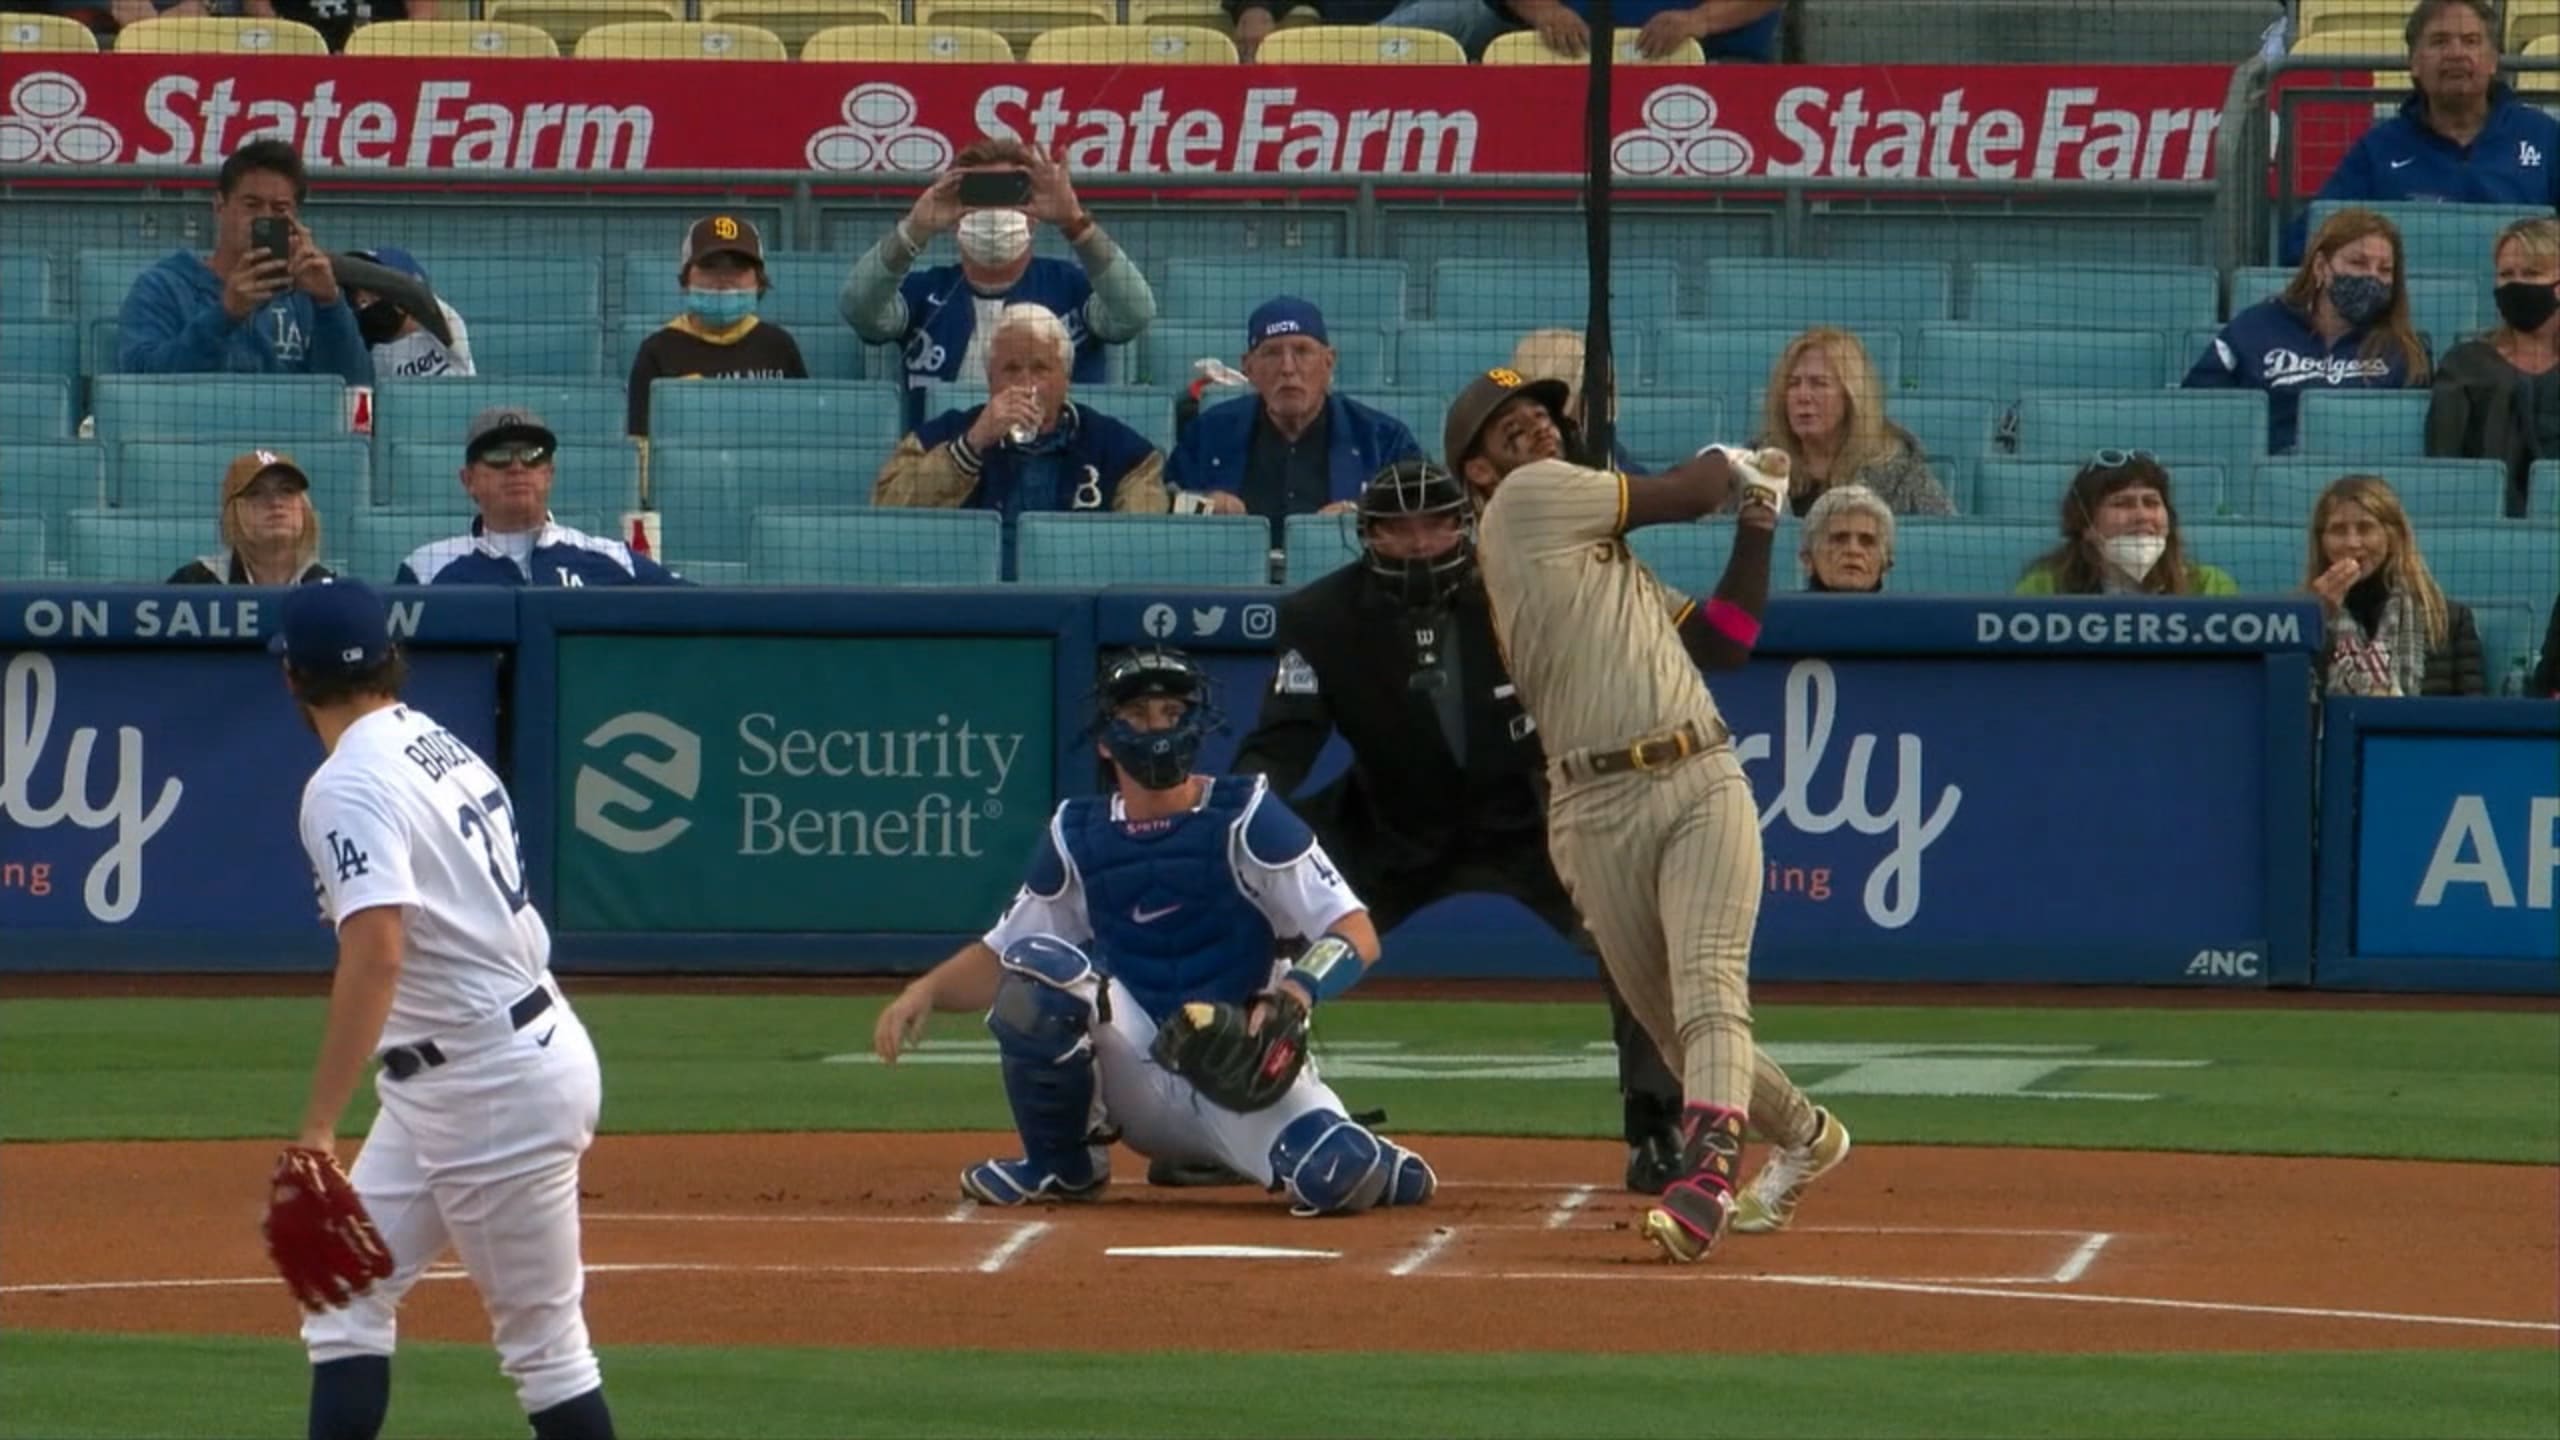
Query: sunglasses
[(2112, 459), (500, 457)]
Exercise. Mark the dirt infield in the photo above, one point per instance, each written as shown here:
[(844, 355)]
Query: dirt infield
[(862, 1240)]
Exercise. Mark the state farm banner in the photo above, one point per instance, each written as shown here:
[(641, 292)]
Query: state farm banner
[(2019, 122)]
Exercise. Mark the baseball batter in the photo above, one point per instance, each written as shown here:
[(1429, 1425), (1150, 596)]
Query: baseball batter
[(1651, 822), (1144, 908), (488, 1086)]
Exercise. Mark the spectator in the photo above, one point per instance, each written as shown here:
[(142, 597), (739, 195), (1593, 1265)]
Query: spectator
[(941, 315), (1293, 446), (1027, 447), (1728, 29), (507, 471), (1826, 410), (106, 17), (2462, 137), (1848, 542), (2120, 536), (337, 19), (1558, 355), (243, 309), (2499, 396), (270, 533), (1254, 20), (721, 269), (2342, 323), (2546, 670), (402, 347), (2392, 631)]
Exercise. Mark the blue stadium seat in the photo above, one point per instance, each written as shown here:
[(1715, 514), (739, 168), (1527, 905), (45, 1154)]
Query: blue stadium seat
[(705, 495), (2510, 635), (117, 545), (803, 296), (260, 409), (585, 479), (714, 572), (1955, 555), (1318, 545), (2434, 492), (1857, 296), (1147, 409), (549, 349), (1166, 351), (2363, 425), (2453, 238), (515, 288), (378, 540), (2227, 428), (1733, 364), (856, 419), (1075, 550), (793, 546), (438, 412), (1526, 295), (39, 348), (2033, 490), (1691, 558), (27, 287), (22, 549), (184, 477), (35, 407), (45, 482), (2264, 557), (2542, 499), (2517, 560), (1660, 431), (2049, 297), (1224, 289), (1424, 412), (1977, 360), (2188, 346)]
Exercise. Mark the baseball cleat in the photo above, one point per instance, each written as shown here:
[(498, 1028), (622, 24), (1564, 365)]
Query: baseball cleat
[(1410, 1179), (1688, 1222), (1014, 1182), (1192, 1174), (1653, 1164), (1769, 1202)]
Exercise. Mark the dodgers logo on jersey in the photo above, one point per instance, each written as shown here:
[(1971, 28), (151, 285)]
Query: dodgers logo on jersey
[(350, 861)]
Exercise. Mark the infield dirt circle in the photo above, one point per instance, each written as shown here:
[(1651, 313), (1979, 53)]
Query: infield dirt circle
[(859, 1239)]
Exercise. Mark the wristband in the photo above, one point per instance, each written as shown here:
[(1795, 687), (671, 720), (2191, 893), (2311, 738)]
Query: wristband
[(1733, 622), (1329, 967)]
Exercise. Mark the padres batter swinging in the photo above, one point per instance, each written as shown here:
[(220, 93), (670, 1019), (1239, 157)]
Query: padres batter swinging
[(1650, 820), (489, 1088)]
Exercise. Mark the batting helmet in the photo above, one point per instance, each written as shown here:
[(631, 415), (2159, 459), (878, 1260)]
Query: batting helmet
[(1411, 489), (1156, 759)]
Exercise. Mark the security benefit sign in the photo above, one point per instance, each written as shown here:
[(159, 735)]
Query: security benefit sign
[(2458, 847), (799, 784)]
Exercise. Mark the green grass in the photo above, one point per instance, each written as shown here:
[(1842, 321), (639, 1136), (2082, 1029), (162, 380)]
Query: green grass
[(2425, 1085), (68, 1385)]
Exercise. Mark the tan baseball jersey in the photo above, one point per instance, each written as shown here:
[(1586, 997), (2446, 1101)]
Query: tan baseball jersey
[(1591, 635)]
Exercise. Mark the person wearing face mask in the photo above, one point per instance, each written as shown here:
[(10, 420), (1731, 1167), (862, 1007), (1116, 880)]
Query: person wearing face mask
[(721, 269), (2342, 323), (2391, 628), (2120, 536), (402, 348), (2498, 396), (1848, 542), (270, 533), (943, 315)]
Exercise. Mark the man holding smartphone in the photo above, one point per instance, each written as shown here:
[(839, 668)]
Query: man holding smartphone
[(266, 302)]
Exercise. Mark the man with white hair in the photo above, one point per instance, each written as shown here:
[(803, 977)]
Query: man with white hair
[(1027, 447), (1848, 541)]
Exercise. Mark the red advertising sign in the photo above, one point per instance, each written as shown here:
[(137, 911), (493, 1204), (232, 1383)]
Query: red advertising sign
[(2014, 122)]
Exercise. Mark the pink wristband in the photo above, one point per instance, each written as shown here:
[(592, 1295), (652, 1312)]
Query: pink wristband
[(1733, 622)]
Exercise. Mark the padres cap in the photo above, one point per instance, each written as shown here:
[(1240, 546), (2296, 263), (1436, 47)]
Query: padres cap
[(1485, 394), (248, 467), (505, 422), (723, 235), (332, 625)]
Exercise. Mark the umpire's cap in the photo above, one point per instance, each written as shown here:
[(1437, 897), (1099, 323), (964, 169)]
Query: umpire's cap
[(1485, 394)]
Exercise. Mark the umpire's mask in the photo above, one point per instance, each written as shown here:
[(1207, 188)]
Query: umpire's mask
[(1417, 534)]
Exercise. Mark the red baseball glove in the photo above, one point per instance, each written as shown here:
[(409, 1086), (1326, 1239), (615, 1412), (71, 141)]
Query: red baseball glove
[(318, 1234)]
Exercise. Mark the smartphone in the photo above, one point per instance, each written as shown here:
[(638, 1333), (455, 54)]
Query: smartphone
[(272, 233), (995, 188)]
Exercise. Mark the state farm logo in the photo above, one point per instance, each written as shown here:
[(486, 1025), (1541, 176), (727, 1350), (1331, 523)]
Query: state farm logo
[(44, 126), (1679, 137), (880, 133)]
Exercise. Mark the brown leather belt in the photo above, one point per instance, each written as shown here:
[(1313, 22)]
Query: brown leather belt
[(1651, 753)]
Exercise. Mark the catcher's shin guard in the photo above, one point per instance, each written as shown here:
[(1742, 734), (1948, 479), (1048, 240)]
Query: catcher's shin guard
[(1331, 1165), (1042, 1020)]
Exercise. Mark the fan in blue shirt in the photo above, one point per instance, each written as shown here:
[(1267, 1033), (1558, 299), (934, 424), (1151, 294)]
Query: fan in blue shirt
[(2343, 323), (507, 468)]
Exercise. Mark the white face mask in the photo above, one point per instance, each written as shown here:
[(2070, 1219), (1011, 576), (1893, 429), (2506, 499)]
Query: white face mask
[(2134, 554), (994, 237)]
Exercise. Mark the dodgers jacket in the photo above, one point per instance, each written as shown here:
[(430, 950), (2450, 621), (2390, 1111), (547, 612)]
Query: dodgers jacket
[(1212, 454), (2515, 160), (173, 323), (561, 556), (942, 316), (2271, 346)]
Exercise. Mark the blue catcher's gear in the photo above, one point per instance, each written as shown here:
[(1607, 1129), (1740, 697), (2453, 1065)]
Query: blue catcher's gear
[(1042, 1020), (1156, 759), (1167, 915), (1331, 1165)]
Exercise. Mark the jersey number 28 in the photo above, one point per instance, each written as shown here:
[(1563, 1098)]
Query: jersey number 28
[(476, 824)]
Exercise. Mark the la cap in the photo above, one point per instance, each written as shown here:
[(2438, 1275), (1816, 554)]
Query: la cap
[(332, 626), (248, 466)]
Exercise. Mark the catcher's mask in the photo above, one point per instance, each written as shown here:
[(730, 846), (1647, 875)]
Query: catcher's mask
[(1155, 759), (1417, 489)]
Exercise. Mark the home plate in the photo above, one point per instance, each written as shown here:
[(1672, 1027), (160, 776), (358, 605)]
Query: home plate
[(1219, 1252)]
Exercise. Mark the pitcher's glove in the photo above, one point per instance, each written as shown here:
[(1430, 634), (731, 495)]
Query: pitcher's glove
[(1233, 1067), (318, 1234)]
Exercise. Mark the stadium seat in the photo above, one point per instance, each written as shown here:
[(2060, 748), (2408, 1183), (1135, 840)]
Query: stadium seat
[(1524, 47), (22, 549), (2318, 17), (2190, 347), (25, 33), (2546, 50), (1204, 290), (26, 282), (1953, 555), (453, 39), (2363, 425), (678, 40), (270, 409), (182, 477), (705, 495), (1730, 364), (35, 407), (1359, 45), (713, 572), (794, 21), (438, 412), (517, 288), (2434, 492), (1656, 431), (909, 45), (1147, 409), (1979, 360), (2438, 238), (101, 279), (2542, 500), (1166, 353), (2372, 44), (1691, 558), (1132, 45), (2227, 428), (1444, 357), (1533, 294), (856, 419), (560, 349), (1858, 296), (1171, 550), (2532, 28), (377, 541), (218, 35), (114, 545), (2053, 297), (1199, 14), (1018, 21), (2517, 560), (2033, 490), (566, 20), (1317, 545), (2510, 637), (42, 483), (875, 547), (2265, 558)]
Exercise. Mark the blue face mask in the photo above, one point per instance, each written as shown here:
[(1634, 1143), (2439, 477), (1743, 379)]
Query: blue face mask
[(719, 308), (2359, 299)]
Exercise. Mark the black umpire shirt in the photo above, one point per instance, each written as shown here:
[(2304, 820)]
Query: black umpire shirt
[(1443, 753)]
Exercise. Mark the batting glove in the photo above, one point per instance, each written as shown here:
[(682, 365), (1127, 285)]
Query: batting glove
[(1762, 473)]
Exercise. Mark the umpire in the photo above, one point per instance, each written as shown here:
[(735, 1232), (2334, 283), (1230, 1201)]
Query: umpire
[(1446, 789)]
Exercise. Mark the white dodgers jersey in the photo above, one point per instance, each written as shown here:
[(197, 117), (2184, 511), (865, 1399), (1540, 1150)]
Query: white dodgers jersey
[(404, 813)]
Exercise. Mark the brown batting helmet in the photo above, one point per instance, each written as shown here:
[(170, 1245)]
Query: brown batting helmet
[(1486, 394)]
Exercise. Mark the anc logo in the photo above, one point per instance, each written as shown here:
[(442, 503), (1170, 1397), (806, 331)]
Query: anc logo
[(725, 228), (1507, 379)]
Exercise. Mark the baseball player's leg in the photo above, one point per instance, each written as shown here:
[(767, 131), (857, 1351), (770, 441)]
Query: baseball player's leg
[(1607, 856), (1043, 1021), (351, 1347)]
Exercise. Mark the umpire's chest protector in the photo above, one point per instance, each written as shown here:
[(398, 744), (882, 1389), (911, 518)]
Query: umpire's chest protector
[(1168, 917)]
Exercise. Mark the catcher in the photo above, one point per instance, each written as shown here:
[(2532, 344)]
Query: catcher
[(1131, 985)]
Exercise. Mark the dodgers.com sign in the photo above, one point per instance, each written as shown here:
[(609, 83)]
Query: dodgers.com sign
[(2458, 847)]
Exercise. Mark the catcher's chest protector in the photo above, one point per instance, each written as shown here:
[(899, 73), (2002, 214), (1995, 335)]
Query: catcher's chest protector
[(1169, 920)]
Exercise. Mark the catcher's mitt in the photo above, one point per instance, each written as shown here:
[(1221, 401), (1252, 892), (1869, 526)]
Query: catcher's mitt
[(1230, 1066), (318, 1234)]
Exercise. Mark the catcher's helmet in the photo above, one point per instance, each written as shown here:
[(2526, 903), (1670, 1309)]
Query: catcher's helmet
[(1156, 759), (1407, 489)]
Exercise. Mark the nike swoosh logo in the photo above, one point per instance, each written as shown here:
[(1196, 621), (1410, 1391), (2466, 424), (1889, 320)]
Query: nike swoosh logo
[(544, 1039), (2404, 164), (1149, 917)]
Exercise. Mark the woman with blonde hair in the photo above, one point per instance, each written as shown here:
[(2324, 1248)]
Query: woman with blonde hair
[(270, 533), (2392, 631), (1826, 410), (2342, 323), (2498, 396), (2120, 536)]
